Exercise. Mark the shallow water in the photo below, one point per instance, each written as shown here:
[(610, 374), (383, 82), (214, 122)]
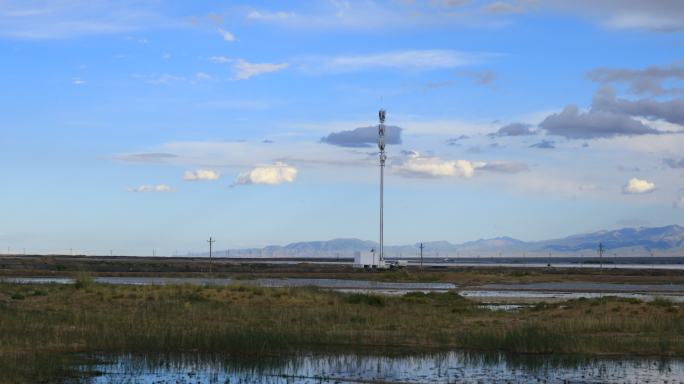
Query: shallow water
[(336, 284), (452, 367), (510, 296), (645, 266), (589, 286)]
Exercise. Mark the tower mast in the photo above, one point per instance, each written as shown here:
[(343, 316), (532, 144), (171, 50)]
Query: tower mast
[(211, 242), (383, 157)]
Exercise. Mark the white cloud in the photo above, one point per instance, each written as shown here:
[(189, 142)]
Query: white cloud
[(78, 81), (662, 15), (417, 165), (202, 76), (638, 186), (245, 70), (152, 188), (226, 35), (508, 7), (407, 60), (201, 174), (270, 16), (220, 59), (27, 19), (277, 173)]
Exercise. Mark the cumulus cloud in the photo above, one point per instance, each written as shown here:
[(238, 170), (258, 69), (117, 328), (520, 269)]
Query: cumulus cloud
[(514, 129), (544, 144), (674, 163), (572, 124), (152, 188), (226, 35), (641, 81), (244, 70), (417, 165), (671, 111), (200, 175), (363, 137), (277, 173), (637, 186), (611, 116), (659, 16)]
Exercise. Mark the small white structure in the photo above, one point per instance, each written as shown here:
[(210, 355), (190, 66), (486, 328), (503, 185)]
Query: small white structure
[(368, 260)]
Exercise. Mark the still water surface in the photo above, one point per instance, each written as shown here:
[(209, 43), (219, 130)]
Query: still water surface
[(336, 284), (452, 367)]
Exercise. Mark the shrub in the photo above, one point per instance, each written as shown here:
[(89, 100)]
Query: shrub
[(364, 298), (17, 296), (83, 281)]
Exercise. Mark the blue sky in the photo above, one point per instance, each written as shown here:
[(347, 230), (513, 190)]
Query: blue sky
[(131, 126)]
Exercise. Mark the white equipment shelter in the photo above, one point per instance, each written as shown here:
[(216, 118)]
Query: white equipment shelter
[(368, 260)]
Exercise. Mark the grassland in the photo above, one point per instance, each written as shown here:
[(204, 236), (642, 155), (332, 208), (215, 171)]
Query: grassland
[(43, 327)]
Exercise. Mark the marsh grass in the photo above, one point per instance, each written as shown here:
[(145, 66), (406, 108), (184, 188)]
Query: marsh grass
[(661, 301), (40, 334), (365, 298), (83, 280)]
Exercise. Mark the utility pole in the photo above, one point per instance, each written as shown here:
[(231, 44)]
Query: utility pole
[(383, 157), (601, 250), (211, 242), (421, 256)]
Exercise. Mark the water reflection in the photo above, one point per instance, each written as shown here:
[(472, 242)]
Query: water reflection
[(452, 367)]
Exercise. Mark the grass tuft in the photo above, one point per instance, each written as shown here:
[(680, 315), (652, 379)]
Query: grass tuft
[(83, 281), (364, 298)]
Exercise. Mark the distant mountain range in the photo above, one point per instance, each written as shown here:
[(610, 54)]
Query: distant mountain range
[(643, 241)]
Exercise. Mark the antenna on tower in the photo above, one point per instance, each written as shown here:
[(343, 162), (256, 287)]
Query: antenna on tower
[(383, 157), (211, 242)]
